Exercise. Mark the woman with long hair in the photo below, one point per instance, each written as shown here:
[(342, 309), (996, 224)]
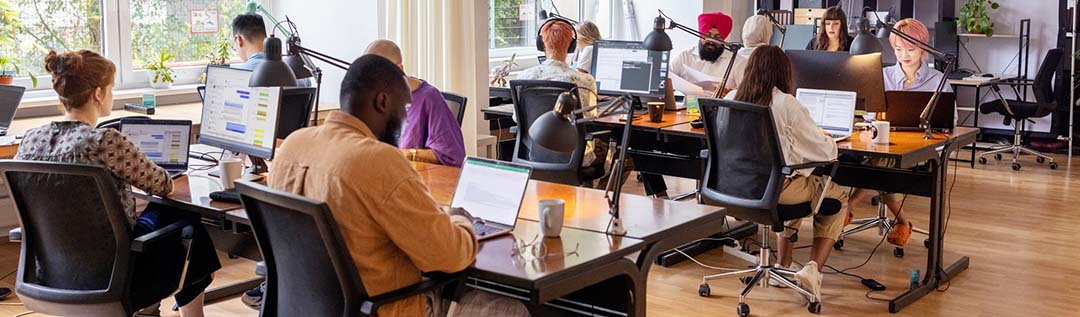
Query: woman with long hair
[(832, 32), (768, 83), (588, 33)]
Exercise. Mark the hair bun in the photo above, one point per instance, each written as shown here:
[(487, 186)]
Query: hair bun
[(59, 65)]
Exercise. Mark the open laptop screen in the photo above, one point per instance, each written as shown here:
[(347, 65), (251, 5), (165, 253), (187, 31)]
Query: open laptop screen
[(833, 111), (491, 190), (165, 142)]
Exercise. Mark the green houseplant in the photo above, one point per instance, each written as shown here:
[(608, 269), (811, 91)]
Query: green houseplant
[(218, 55), (975, 18), (163, 74)]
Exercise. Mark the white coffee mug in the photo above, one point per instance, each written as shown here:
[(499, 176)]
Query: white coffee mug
[(229, 170), (551, 217), (880, 132)]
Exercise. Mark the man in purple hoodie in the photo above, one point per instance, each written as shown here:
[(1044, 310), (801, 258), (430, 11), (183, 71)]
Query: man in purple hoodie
[(431, 133)]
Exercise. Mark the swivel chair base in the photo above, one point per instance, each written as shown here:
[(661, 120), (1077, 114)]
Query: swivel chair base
[(1016, 149), (884, 225)]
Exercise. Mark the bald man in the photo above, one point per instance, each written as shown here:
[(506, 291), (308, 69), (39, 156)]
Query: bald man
[(432, 134)]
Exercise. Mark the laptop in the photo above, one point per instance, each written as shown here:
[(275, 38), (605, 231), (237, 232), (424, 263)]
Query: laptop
[(10, 97), (165, 142), (905, 107), (492, 191), (832, 110)]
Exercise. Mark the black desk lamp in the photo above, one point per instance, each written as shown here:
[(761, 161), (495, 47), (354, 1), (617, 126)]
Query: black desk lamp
[(865, 42), (557, 131), (658, 40), (277, 73), (781, 27), (950, 63), (544, 14)]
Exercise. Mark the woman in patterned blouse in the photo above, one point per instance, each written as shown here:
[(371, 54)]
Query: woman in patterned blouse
[(84, 80)]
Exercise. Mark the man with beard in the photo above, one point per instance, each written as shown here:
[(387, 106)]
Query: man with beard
[(699, 70), (388, 219)]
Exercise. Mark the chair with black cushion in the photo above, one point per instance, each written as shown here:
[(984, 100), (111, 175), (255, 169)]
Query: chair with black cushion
[(457, 105), (309, 271), (745, 173), (78, 257), (1022, 110), (533, 98)]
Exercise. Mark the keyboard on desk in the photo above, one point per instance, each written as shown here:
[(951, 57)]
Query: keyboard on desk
[(483, 230)]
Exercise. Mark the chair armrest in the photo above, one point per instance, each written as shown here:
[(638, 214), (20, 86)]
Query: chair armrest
[(147, 241), (430, 282), (593, 135), (15, 235), (790, 169)]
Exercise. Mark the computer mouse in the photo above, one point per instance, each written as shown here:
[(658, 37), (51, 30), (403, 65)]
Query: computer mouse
[(987, 75)]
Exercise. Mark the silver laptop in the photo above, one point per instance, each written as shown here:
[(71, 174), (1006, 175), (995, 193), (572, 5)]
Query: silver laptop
[(165, 142), (492, 191), (10, 97), (832, 110)]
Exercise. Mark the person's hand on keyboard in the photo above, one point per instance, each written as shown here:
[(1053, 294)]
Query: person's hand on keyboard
[(464, 213)]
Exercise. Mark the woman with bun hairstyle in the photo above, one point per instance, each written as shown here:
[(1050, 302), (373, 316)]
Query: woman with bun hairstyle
[(83, 81)]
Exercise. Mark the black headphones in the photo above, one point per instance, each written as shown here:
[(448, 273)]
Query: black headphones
[(540, 37)]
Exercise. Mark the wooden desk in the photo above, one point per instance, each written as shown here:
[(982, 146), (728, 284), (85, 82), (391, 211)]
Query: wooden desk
[(661, 224)]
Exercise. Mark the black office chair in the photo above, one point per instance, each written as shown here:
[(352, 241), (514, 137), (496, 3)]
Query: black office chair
[(78, 258), (533, 98), (309, 271), (745, 174), (457, 105), (1022, 110)]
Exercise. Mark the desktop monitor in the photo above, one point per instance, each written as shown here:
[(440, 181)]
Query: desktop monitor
[(844, 72), (625, 67), (296, 105), (239, 118)]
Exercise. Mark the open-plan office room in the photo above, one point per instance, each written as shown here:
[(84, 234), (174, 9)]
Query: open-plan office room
[(538, 158)]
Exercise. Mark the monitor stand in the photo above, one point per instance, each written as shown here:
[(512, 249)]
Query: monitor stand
[(258, 166)]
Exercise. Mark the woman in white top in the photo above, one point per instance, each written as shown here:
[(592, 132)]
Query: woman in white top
[(757, 32), (768, 82), (588, 33)]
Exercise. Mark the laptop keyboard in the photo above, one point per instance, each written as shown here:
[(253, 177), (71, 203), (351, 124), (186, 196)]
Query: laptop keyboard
[(484, 230)]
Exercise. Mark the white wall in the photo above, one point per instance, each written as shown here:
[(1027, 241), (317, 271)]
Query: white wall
[(996, 55), (685, 12), (339, 28)]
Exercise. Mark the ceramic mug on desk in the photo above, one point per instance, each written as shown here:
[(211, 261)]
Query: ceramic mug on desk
[(880, 132), (656, 112), (230, 169), (551, 213)]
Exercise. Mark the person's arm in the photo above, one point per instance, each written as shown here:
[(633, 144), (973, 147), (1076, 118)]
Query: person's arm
[(422, 155), (445, 141), (814, 145), (432, 240), (124, 160)]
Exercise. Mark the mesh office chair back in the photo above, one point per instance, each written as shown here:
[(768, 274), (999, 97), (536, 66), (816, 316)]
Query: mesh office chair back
[(533, 98), (75, 258), (457, 105), (1044, 83), (309, 269)]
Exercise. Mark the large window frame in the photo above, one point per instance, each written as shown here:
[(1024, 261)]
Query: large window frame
[(117, 47), (614, 13)]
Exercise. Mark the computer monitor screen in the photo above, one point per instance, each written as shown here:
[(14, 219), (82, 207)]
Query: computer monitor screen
[(296, 104), (239, 118), (842, 71), (165, 142), (798, 36), (622, 67), (491, 190)]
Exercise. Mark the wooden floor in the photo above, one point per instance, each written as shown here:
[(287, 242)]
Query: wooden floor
[(1021, 230)]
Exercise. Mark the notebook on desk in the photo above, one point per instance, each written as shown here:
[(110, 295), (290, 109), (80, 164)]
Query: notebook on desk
[(165, 142), (491, 191), (832, 110)]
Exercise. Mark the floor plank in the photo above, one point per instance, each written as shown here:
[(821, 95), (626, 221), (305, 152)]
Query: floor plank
[(1019, 228)]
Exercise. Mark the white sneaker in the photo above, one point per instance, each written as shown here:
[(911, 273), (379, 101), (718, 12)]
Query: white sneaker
[(810, 278), (774, 283)]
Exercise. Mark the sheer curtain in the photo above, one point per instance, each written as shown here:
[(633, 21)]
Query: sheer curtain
[(444, 42)]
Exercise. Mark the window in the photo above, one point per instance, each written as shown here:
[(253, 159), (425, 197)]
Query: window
[(40, 25), (513, 24), (131, 33)]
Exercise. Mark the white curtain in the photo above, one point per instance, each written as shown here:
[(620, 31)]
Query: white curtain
[(445, 43)]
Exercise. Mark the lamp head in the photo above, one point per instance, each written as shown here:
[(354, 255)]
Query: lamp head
[(544, 15), (273, 72), (658, 39), (864, 42), (556, 130), (296, 61)]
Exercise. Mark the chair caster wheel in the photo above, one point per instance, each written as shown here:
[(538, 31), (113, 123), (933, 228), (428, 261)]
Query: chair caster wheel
[(743, 310), (1016, 166), (703, 290), (745, 280), (1053, 165), (898, 252), (926, 243), (997, 157), (814, 308), (1040, 159), (838, 245), (982, 160)]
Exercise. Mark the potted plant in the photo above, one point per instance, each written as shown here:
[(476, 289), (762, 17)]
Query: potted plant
[(218, 56), (163, 74), (9, 67), (975, 18)]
